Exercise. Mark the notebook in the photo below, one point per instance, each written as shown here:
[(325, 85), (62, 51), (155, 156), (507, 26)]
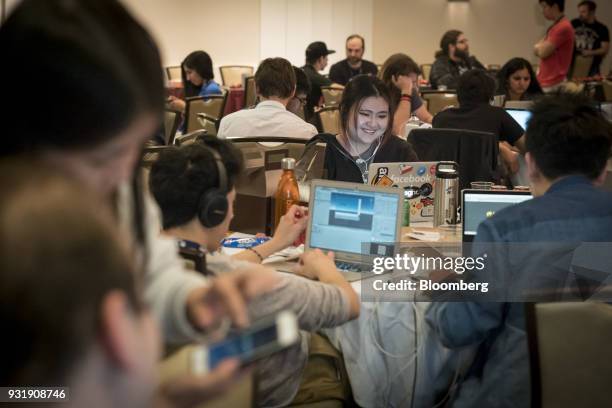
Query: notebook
[(357, 221), (521, 116), (419, 175), (478, 205)]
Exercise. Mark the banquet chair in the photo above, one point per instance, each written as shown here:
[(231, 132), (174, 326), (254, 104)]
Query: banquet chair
[(426, 70), (172, 120), (331, 96), (213, 106), (569, 353), (475, 152), (173, 73), (231, 75), (250, 93), (438, 101), (330, 120)]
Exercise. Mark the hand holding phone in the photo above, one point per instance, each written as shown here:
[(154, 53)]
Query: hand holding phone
[(262, 338)]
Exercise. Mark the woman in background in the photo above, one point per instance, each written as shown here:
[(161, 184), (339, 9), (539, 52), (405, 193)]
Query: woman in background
[(198, 78), (366, 136), (400, 73), (517, 81)]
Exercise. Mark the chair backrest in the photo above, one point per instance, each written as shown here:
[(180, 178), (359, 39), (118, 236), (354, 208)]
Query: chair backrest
[(254, 206), (330, 120), (213, 106), (475, 152), (581, 67), (173, 73), (331, 95), (208, 124), (250, 93), (518, 104), (172, 119), (438, 101), (231, 75), (570, 353), (426, 69)]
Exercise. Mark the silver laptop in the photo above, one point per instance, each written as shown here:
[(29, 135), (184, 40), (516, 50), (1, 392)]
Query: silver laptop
[(418, 176), (478, 205), (357, 222)]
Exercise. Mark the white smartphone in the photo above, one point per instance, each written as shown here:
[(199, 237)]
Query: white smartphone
[(262, 338)]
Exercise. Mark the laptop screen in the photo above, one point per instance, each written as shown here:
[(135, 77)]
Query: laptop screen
[(521, 116), (478, 205), (343, 218)]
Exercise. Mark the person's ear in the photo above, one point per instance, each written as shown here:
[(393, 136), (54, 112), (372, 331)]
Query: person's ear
[(118, 335)]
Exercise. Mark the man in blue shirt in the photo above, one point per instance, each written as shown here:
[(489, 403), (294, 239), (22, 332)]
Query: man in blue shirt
[(568, 143)]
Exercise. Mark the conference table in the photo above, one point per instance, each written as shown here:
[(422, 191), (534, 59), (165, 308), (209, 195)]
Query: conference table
[(392, 357)]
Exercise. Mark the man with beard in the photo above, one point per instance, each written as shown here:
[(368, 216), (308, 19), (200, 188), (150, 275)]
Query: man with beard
[(354, 64), (452, 60), (592, 38)]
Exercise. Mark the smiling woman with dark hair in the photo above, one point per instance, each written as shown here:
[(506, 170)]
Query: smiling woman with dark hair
[(366, 118)]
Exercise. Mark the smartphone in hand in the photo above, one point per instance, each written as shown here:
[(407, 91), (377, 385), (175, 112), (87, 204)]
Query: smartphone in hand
[(263, 338)]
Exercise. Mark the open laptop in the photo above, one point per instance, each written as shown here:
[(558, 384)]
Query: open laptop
[(521, 116), (418, 175), (478, 205), (357, 222)]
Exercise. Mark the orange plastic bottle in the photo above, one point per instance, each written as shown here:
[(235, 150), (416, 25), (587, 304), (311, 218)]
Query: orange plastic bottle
[(287, 192)]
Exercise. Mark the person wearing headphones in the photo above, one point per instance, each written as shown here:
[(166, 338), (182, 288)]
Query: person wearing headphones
[(194, 187), (366, 119)]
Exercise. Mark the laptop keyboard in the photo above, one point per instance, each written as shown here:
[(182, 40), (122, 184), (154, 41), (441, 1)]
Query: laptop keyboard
[(349, 266)]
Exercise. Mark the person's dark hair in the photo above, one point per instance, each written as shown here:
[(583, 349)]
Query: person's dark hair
[(357, 89), (397, 64), (475, 87), (559, 3), (509, 68), (181, 175), (302, 83), (275, 77), (449, 38), (591, 5), (350, 37), (200, 62), (60, 255), (88, 67), (567, 134)]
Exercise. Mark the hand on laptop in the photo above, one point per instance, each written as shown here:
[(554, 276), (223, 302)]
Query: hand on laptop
[(313, 263)]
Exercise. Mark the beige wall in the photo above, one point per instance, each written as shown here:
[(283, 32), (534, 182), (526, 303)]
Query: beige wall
[(497, 29), (228, 30)]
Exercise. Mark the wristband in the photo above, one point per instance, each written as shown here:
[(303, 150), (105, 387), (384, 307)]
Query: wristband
[(406, 98), (256, 253)]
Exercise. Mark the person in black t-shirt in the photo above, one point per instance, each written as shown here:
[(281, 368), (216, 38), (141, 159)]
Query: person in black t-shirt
[(592, 37), (474, 91), (354, 64)]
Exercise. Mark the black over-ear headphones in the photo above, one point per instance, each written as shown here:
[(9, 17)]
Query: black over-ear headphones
[(213, 205)]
